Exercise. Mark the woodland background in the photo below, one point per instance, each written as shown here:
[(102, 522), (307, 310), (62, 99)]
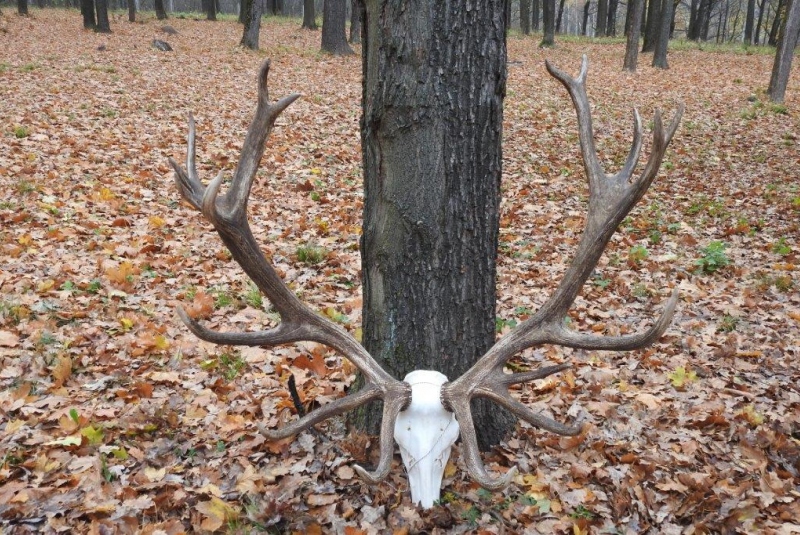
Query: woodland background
[(114, 417)]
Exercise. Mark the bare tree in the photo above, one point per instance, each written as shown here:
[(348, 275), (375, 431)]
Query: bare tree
[(632, 30), (103, 25), (602, 18), (131, 10), (309, 15), (210, 8), (549, 22), (535, 10), (783, 55), (87, 12), (252, 23), (525, 16), (161, 13), (611, 198), (355, 22), (334, 18), (662, 43), (22, 8)]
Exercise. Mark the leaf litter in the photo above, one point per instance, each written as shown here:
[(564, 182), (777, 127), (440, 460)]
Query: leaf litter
[(114, 417)]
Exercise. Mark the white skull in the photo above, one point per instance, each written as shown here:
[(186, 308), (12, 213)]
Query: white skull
[(425, 432)]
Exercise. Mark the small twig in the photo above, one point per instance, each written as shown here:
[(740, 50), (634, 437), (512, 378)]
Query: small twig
[(298, 405), (734, 392)]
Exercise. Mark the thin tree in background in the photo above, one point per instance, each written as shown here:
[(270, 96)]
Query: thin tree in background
[(774, 33), (161, 13), (525, 16), (602, 18), (762, 7), (103, 25), (334, 18), (662, 43), (22, 8), (355, 22), (749, 22), (210, 8), (783, 56), (585, 28), (309, 15), (252, 23), (632, 29), (131, 10), (611, 25), (87, 11), (652, 25), (549, 20), (535, 9), (560, 15)]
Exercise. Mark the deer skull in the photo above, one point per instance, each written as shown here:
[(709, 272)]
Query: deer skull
[(425, 432)]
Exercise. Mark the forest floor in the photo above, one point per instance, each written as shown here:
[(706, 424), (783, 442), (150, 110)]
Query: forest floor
[(114, 417)]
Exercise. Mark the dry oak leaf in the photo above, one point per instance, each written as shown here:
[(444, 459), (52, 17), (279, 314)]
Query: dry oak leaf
[(8, 339), (216, 512)]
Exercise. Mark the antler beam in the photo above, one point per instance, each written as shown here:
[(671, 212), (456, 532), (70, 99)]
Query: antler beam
[(228, 214), (611, 198)]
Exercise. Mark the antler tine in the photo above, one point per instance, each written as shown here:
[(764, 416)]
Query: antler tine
[(392, 406), (611, 198), (469, 446), (228, 214)]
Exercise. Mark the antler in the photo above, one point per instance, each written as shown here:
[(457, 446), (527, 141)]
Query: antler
[(228, 214), (611, 197)]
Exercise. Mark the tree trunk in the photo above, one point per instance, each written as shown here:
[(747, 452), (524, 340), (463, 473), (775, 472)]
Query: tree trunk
[(560, 15), (334, 17), (632, 46), (355, 22), (762, 7), (87, 11), (749, 22), (254, 9), (783, 56), (434, 83), (525, 16), (693, 32), (210, 7), (602, 18), (549, 21), (22, 8), (706, 6), (660, 55), (131, 11), (161, 13), (103, 25), (776, 23), (651, 31), (535, 9), (309, 15), (586, 7), (611, 26)]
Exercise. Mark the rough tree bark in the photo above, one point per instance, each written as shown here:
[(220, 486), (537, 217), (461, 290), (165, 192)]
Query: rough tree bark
[(662, 43), (749, 22), (434, 79), (632, 30), (103, 25), (87, 11), (611, 25), (161, 13), (254, 9), (525, 16), (210, 8), (602, 18), (651, 28), (783, 56), (309, 15), (549, 22), (776, 23), (334, 18), (355, 22)]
